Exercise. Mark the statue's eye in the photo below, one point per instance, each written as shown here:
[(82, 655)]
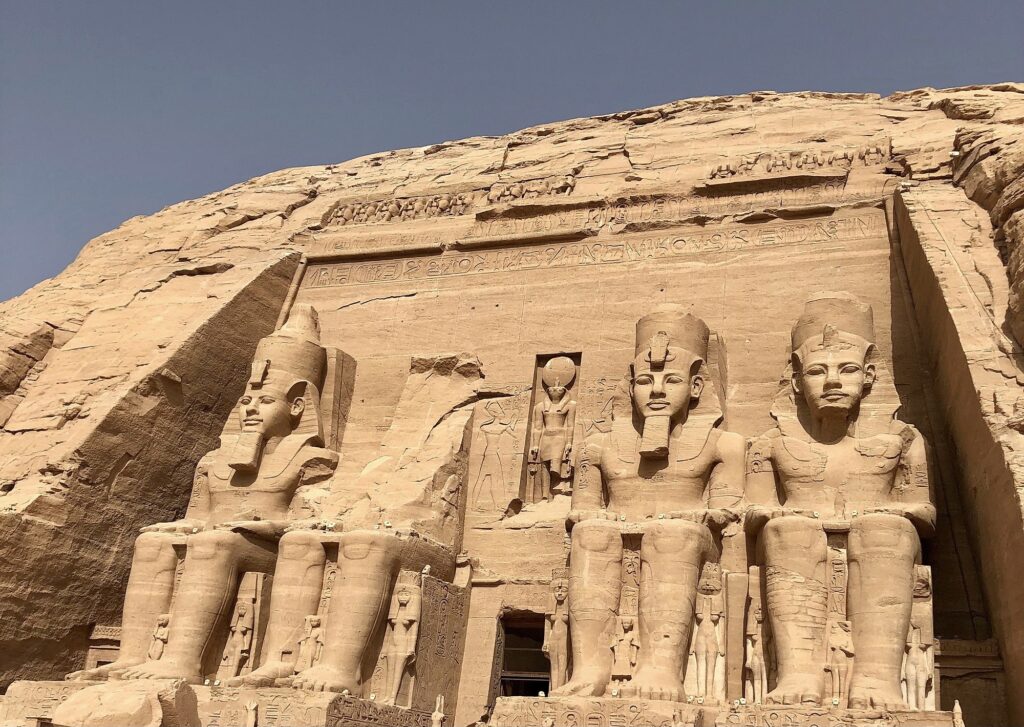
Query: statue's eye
[(815, 371), (644, 380), (267, 400), (673, 380), (246, 400), (851, 368)]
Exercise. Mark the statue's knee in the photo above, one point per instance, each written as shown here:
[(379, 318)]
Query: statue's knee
[(794, 532), (210, 544), (883, 531), (596, 536), (301, 545), (363, 544), (150, 546), (686, 539)]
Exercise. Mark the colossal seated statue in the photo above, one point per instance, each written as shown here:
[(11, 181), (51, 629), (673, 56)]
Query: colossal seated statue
[(660, 480), (402, 513), (841, 494), (242, 502)]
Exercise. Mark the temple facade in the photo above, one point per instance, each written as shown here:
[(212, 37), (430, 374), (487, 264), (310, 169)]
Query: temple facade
[(706, 414)]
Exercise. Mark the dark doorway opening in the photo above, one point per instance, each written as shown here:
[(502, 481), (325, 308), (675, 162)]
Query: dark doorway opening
[(525, 671)]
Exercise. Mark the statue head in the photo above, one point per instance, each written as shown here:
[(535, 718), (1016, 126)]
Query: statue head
[(627, 623), (710, 581), (163, 619), (557, 375), (665, 378), (282, 396), (404, 597), (560, 584), (833, 347), (312, 622)]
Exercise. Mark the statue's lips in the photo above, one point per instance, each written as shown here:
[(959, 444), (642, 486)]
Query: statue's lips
[(833, 396), (657, 405), (251, 422)]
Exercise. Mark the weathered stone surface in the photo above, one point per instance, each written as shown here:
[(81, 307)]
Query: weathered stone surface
[(542, 246)]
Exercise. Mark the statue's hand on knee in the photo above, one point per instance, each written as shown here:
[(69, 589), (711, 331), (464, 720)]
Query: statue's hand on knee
[(189, 525)]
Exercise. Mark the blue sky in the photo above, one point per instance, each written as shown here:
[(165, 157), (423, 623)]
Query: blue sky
[(110, 109)]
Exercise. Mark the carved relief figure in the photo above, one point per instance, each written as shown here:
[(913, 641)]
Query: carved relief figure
[(239, 511), (919, 659), (489, 479), (551, 434), (239, 645), (626, 648), (836, 435), (404, 622), (156, 648), (311, 644), (665, 474), (755, 667), (707, 646), (556, 631), (840, 661)]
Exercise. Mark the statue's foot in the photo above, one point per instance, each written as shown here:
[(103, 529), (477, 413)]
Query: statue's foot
[(265, 676), (323, 678), (868, 692), (163, 669), (583, 684), (102, 672), (796, 689), (660, 684)]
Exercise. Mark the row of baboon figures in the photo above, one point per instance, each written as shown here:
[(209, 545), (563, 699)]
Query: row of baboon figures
[(655, 486)]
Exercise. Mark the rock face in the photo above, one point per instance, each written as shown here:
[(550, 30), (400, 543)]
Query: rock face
[(795, 481)]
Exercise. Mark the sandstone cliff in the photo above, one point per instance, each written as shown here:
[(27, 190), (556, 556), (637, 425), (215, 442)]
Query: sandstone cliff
[(118, 374)]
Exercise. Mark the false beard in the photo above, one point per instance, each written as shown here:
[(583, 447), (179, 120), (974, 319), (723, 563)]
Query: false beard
[(654, 441), (247, 453)]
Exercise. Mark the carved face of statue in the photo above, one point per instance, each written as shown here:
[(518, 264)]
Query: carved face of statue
[(268, 412), (665, 393), (832, 379), (561, 590), (627, 624), (404, 597)]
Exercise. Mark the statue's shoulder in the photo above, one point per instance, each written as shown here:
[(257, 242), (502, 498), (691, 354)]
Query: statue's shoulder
[(729, 443), (763, 445)]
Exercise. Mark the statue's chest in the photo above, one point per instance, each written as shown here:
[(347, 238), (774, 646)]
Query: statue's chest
[(850, 461), (224, 480), (625, 466)]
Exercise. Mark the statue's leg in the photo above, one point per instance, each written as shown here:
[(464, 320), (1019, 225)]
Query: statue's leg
[(298, 581), (795, 554), (882, 553), (368, 565), (150, 587), (206, 595), (671, 556), (595, 582)]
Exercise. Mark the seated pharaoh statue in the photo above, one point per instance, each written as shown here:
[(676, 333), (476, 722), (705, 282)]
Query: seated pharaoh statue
[(841, 498), (403, 513), (660, 482), (244, 495)]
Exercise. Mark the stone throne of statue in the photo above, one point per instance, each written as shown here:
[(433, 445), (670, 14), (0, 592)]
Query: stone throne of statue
[(839, 607)]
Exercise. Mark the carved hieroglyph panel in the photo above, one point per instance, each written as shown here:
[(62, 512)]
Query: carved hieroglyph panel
[(497, 451)]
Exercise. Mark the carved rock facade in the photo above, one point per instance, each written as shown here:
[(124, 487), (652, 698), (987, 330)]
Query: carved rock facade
[(703, 414)]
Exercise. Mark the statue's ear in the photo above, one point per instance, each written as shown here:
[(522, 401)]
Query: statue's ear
[(869, 367), (794, 365), (304, 405), (696, 386)]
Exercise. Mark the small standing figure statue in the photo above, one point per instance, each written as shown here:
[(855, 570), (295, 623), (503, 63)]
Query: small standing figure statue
[(840, 661), (756, 668), (707, 647), (551, 434), (626, 649), (237, 653), (917, 670), (311, 644), (156, 648), (556, 631), (404, 621)]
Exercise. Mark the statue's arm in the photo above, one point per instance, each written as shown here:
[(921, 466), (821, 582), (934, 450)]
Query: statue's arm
[(725, 488), (198, 512), (536, 429), (570, 425), (588, 490), (760, 484), (914, 488)]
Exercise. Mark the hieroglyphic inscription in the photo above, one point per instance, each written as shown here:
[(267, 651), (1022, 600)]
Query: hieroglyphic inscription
[(805, 159), (347, 711), (275, 707), (439, 647), (579, 254), (756, 715), (577, 712), (35, 699)]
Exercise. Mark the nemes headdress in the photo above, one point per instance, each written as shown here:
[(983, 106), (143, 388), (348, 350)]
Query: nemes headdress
[(669, 338), (834, 318)]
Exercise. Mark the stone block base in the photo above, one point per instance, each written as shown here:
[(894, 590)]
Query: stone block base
[(578, 711), (221, 706), (757, 715)]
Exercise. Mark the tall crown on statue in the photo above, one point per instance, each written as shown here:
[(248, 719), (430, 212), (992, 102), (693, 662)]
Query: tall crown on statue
[(291, 361), (668, 337), (832, 319)]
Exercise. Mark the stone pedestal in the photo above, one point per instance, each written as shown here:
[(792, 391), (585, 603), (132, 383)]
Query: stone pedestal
[(757, 715), (611, 712)]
